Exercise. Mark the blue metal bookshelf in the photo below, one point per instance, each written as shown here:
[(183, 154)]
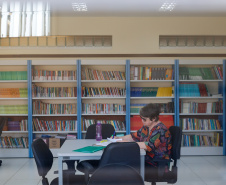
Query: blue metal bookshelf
[(175, 83)]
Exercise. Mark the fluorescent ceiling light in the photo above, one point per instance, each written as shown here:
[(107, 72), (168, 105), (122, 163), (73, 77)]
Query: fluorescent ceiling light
[(79, 7), (167, 6)]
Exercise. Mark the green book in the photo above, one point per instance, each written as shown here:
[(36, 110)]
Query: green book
[(89, 149)]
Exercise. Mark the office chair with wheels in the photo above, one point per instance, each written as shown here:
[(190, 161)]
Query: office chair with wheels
[(158, 174), (116, 174), (3, 121), (127, 153), (107, 131), (44, 161)]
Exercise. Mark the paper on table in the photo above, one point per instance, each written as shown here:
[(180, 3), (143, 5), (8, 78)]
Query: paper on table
[(113, 140), (107, 142)]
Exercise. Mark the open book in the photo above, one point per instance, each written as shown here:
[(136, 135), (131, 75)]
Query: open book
[(107, 142)]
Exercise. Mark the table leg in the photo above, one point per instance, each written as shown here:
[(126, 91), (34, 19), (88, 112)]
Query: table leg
[(60, 170), (142, 166)]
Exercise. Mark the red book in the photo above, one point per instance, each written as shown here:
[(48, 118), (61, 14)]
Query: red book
[(167, 120), (135, 123)]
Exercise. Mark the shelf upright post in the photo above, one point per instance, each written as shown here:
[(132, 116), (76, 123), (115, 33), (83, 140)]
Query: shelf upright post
[(29, 90), (176, 93), (127, 96), (79, 107), (224, 107)]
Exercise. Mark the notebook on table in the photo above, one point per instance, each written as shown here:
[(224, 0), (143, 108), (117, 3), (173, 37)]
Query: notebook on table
[(89, 149)]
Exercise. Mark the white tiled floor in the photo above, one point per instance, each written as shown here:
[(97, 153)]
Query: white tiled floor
[(194, 170)]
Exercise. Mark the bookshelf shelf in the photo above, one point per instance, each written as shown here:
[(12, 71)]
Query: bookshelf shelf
[(13, 81), (201, 114), (159, 114), (144, 98), (200, 80), (202, 131), (13, 115), (13, 98), (103, 81), (54, 132), (14, 152), (110, 97), (104, 114), (203, 78), (201, 150), (54, 98), (207, 97), (151, 81), (36, 115), (54, 81), (19, 132)]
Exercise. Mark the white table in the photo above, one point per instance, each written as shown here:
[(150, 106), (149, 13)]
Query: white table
[(66, 153)]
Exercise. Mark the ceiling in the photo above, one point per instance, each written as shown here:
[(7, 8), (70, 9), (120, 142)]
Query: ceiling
[(141, 8), (138, 8)]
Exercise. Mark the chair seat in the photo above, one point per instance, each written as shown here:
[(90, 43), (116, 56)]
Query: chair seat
[(73, 180), (90, 165)]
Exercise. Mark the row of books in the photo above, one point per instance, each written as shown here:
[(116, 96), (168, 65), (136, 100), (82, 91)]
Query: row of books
[(193, 90), (13, 109), (16, 126), (11, 142), (47, 108), (202, 140), (38, 91), (54, 125), (194, 107), (200, 124), (13, 75), (92, 74), (53, 75), (118, 125), (150, 73), (13, 93), (152, 91), (163, 107), (103, 91), (103, 108), (194, 73)]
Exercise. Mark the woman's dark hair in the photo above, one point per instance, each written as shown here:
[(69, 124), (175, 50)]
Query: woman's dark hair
[(150, 111)]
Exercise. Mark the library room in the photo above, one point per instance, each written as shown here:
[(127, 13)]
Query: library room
[(112, 92)]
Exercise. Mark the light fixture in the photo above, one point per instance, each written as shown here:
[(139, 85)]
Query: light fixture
[(79, 7), (167, 6)]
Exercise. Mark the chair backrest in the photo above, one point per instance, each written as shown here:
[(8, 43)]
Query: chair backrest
[(3, 121), (126, 153), (176, 134), (107, 131), (116, 174), (43, 156)]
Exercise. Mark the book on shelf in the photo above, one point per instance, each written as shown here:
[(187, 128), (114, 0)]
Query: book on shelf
[(46, 75), (13, 109), (13, 93), (40, 107), (103, 92), (13, 142), (196, 107), (13, 75), (103, 108), (200, 124), (200, 140), (54, 125), (118, 125), (150, 73), (38, 91), (205, 73), (92, 74)]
